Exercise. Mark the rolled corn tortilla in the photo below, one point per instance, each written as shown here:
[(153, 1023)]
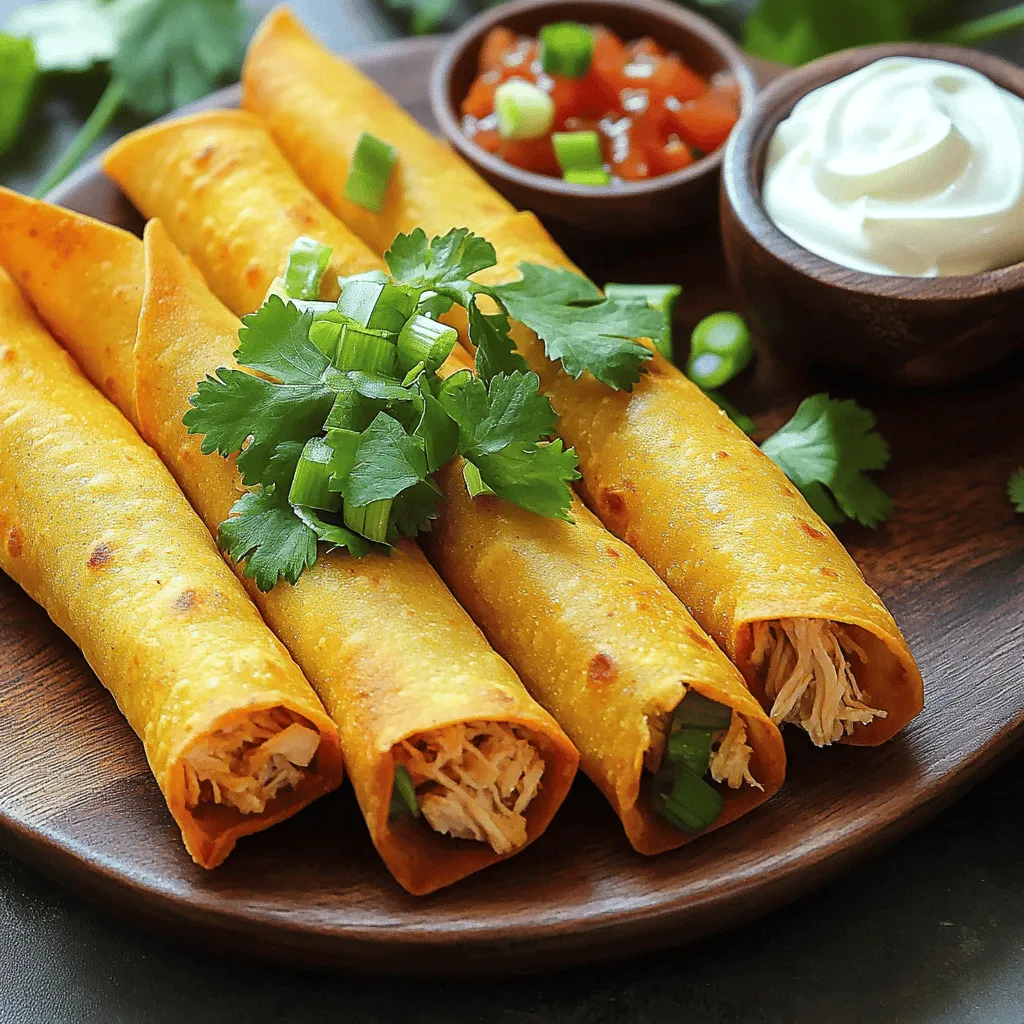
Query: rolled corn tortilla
[(94, 529), (320, 127), (142, 159), (662, 466), (399, 665)]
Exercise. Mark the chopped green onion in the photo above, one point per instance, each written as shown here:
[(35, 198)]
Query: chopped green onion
[(314, 306), (311, 484), (658, 296), (685, 799), (363, 349), (710, 370), (413, 374), (381, 307), (524, 110), (307, 262), (701, 712), (426, 342), (691, 747), (578, 151), (474, 481), (368, 174), (370, 521), (377, 276), (325, 333), (725, 335), (403, 794), (566, 49), (596, 176)]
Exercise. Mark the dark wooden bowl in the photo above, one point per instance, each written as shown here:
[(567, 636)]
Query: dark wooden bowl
[(907, 331), (629, 207)]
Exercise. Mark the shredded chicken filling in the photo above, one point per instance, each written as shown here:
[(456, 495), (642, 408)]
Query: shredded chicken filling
[(249, 763), (475, 780), (805, 664), (730, 751)]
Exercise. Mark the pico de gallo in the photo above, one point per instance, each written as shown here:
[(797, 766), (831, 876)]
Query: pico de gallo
[(579, 103)]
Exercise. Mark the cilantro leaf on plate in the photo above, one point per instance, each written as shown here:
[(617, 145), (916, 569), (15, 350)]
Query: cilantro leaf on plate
[(495, 349), (275, 341), (234, 407), (533, 476), (417, 507), (826, 450), (69, 35), (1015, 489), (17, 77), (581, 328)]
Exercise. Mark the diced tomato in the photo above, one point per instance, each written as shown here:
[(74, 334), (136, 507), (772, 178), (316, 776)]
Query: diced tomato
[(704, 124), (517, 62), (479, 101), (497, 43), (532, 155), (565, 94), (673, 156), (725, 89), (635, 165), (489, 140), (647, 46), (674, 78), (609, 50)]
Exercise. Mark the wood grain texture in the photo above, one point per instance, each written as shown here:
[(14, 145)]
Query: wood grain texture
[(659, 204), (901, 330), (78, 802)]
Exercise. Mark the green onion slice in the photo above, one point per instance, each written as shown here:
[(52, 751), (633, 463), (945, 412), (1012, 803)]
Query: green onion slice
[(566, 49), (524, 110), (363, 349), (685, 799), (369, 172), (691, 747), (726, 337), (596, 176), (381, 307), (325, 334), (701, 712), (312, 480), (370, 521), (307, 261), (475, 484), (710, 370), (426, 342), (578, 151), (403, 794), (658, 296)]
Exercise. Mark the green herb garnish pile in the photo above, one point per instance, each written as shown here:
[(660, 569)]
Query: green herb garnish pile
[(339, 431)]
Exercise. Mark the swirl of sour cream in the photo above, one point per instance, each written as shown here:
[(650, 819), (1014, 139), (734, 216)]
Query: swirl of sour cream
[(907, 166)]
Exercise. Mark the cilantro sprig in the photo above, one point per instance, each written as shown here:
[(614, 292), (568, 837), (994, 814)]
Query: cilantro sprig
[(339, 420)]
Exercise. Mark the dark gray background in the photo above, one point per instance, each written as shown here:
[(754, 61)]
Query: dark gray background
[(930, 931)]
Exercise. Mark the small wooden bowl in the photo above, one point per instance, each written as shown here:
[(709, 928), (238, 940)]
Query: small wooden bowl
[(626, 208), (907, 331)]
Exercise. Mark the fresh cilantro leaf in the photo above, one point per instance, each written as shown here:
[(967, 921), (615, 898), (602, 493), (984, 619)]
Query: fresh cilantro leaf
[(275, 341), (437, 430), (415, 508), (495, 349), (424, 15), (825, 449), (433, 305), (172, 52), (447, 260), (234, 406), (533, 476), (516, 411), (69, 35), (1015, 489), (387, 462), (581, 328), (335, 534), (17, 77)]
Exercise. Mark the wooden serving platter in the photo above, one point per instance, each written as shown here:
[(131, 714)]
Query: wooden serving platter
[(77, 799)]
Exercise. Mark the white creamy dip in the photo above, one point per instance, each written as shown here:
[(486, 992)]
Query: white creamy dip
[(907, 166)]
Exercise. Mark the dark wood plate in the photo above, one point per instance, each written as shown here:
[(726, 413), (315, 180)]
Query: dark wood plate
[(77, 799)]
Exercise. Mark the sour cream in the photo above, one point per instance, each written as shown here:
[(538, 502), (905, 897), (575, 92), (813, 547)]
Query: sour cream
[(907, 166)]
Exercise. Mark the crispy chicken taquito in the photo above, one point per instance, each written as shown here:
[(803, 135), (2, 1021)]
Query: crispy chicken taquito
[(649, 690), (95, 530), (662, 466), (400, 666)]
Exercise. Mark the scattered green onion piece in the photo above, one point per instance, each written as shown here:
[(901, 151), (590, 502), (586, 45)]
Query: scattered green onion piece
[(596, 176), (690, 747), (362, 349), (578, 151), (377, 276), (710, 370), (381, 307), (325, 334), (701, 712), (403, 794), (524, 110), (685, 799), (311, 484), (566, 49), (369, 172), (314, 306), (307, 262), (658, 296), (369, 521), (413, 374), (425, 341), (726, 335), (474, 481)]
